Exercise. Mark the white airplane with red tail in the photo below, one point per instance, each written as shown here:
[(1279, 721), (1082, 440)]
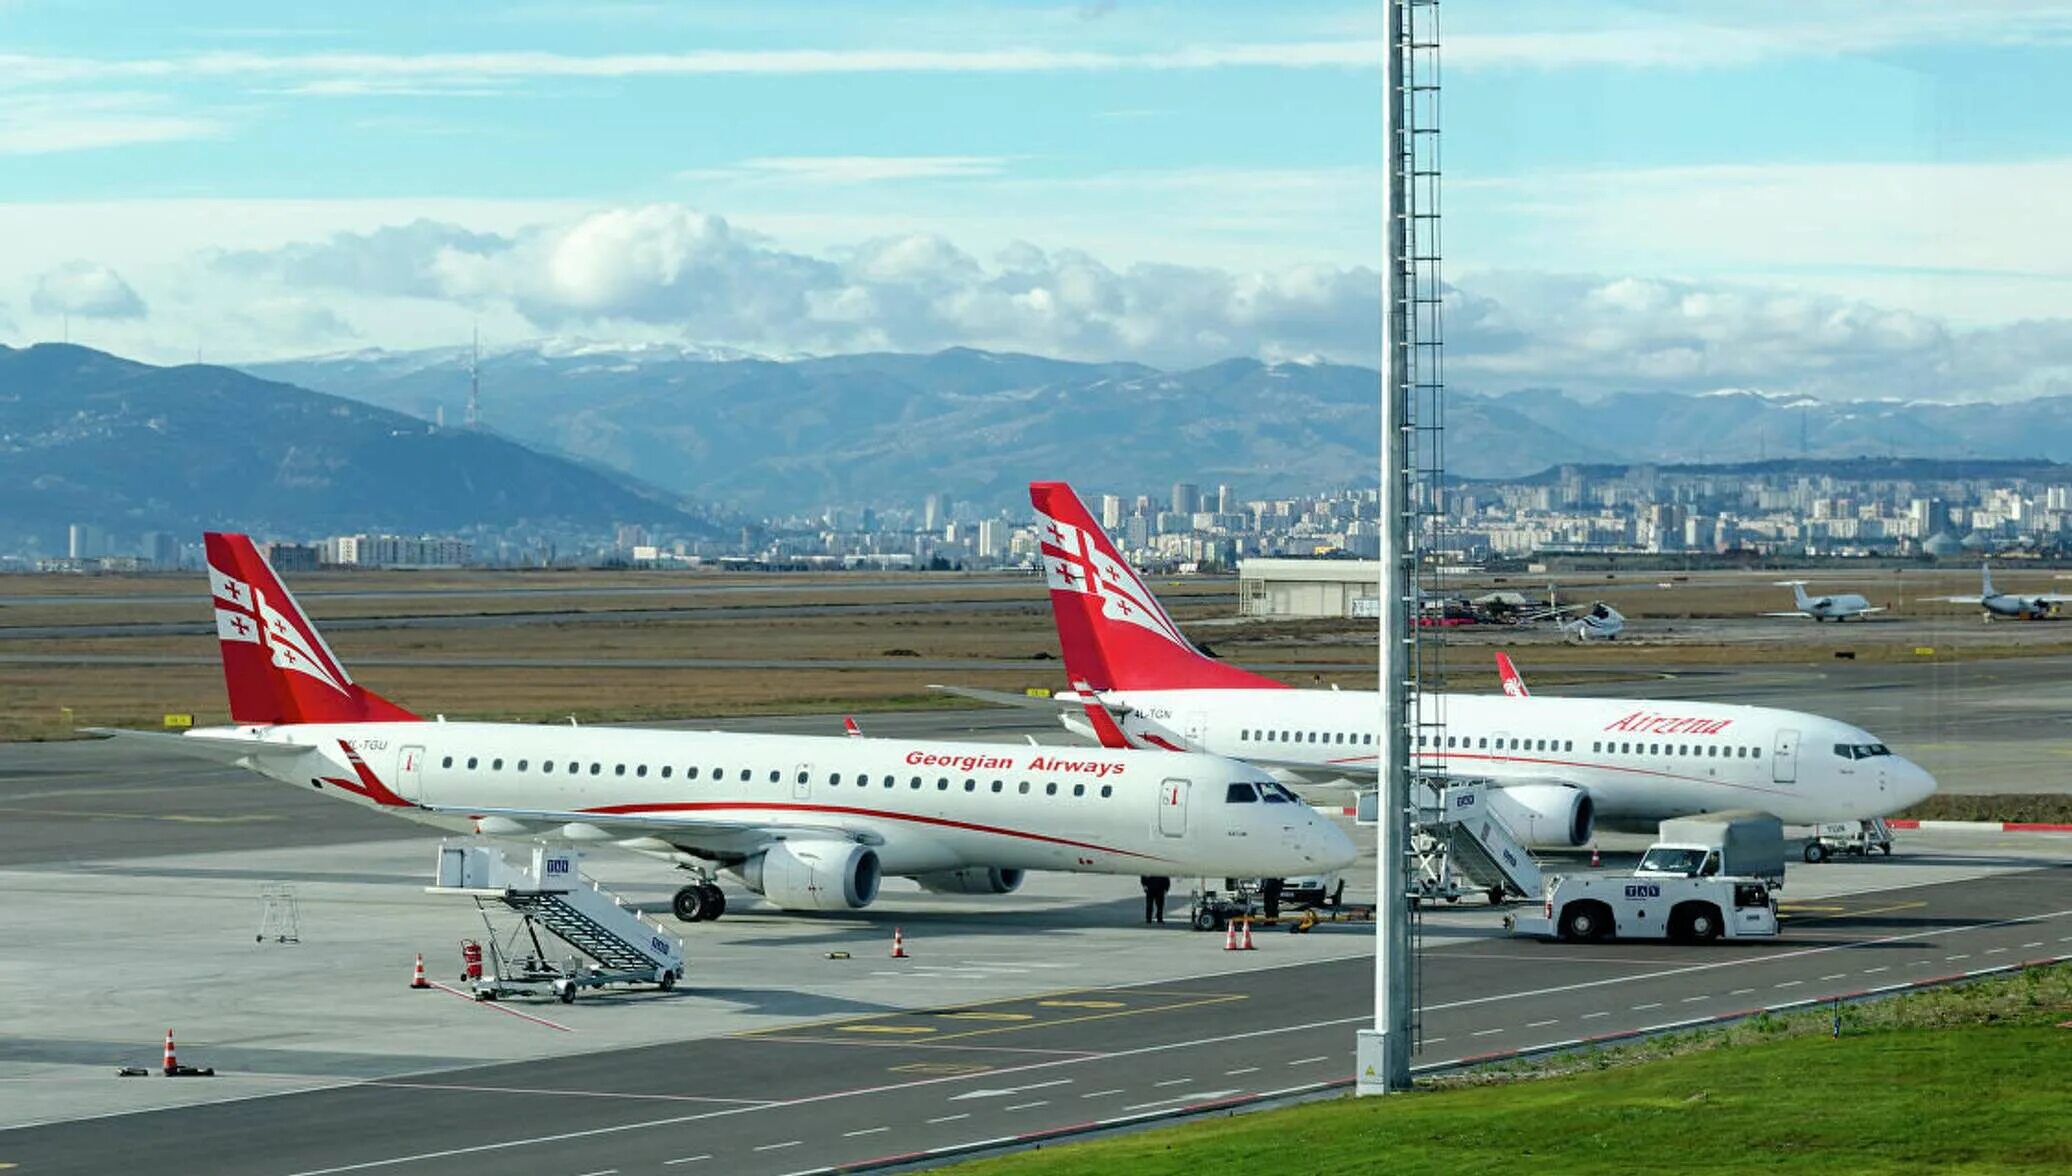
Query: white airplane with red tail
[(808, 822), (1563, 765)]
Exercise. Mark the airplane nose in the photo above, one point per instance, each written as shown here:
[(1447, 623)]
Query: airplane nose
[(1916, 785), (1333, 848)]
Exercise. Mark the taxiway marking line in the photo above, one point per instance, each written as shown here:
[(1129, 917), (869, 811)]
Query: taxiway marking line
[(1102, 1093), (1218, 998), (554, 1093), (1542, 1024), (776, 1146), (865, 1131), (687, 1159), (1041, 1102), (1240, 1070), (1308, 1061), (951, 1118)]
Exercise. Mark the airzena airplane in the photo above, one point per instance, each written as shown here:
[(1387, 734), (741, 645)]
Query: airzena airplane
[(808, 822), (1563, 764)]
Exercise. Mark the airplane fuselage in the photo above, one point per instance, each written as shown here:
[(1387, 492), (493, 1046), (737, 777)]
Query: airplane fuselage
[(1641, 762), (924, 807)]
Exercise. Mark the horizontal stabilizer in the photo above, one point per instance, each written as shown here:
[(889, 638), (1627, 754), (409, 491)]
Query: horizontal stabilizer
[(222, 749)]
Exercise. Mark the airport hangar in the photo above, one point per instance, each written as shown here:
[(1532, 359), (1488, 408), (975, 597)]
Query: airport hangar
[(1308, 588)]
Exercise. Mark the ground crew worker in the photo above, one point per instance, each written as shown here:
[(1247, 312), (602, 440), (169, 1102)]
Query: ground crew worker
[(1270, 890), (1155, 887)]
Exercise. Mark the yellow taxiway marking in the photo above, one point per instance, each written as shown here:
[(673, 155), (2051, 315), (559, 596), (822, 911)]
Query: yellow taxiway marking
[(950, 1069), (990, 1016), (89, 814), (1844, 912), (1217, 998), (1080, 1004), (884, 1028)]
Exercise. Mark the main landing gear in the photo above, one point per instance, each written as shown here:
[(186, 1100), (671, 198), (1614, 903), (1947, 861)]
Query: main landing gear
[(698, 902)]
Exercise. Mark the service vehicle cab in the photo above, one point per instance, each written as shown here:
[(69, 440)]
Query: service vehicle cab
[(1686, 910)]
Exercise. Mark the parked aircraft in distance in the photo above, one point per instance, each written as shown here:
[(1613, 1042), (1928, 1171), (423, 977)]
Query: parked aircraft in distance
[(2034, 606), (808, 822), (1563, 764), (1839, 607)]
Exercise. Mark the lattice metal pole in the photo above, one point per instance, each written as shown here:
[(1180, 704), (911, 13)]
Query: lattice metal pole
[(1383, 1056)]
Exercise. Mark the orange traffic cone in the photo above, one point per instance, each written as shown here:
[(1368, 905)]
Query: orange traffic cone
[(417, 979), (1595, 861), (1230, 937), (899, 951), (1246, 945), (172, 1064)]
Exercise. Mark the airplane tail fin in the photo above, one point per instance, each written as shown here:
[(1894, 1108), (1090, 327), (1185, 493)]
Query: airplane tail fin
[(1514, 682), (275, 663), (1985, 572), (1799, 597), (1112, 631)]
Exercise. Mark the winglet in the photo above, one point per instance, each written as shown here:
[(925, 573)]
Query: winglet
[(1514, 682)]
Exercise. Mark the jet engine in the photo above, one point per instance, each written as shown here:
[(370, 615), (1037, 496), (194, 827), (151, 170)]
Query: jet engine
[(971, 880), (814, 875), (1546, 816)]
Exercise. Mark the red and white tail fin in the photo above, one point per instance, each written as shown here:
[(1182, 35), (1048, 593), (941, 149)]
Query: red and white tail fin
[(1111, 629), (275, 663), (1514, 682)]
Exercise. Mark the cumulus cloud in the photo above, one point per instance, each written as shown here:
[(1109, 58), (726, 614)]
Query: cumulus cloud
[(86, 289), (666, 271), (695, 273)]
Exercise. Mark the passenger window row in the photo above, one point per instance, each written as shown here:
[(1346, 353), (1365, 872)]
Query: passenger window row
[(834, 779), (1687, 750), (971, 784), (1357, 739)]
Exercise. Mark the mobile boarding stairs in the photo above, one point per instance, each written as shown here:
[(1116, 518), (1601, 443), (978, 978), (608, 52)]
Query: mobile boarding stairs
[(547, 889), (1464, 847)]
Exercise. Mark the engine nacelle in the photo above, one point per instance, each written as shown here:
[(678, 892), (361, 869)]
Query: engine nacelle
[(1546, 816), (814, 875), (971, 880)]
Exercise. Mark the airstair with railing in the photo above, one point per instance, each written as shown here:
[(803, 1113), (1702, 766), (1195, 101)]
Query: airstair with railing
[(545, 886), (1464, 846)]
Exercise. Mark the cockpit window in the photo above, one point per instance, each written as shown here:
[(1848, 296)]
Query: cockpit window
[(1240, 794), (1857, 751), (1273, 793)]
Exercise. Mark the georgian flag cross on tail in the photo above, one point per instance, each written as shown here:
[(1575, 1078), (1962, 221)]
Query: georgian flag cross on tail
[(1072, 562), (276, 666), (249, 618), (1112, 631)]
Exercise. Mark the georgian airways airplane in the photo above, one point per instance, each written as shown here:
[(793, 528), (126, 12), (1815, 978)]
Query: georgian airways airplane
[(808, 822), (1838, 607), (1564, 764)]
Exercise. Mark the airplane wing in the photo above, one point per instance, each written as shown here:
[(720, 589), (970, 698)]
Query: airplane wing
[(709, 836), (220, 749), (1799, 613), (1951, 599), (1864, 612)]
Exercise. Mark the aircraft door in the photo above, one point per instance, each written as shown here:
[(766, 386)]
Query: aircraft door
[(802, 782), (410, 773), (1784, 761), (1172, 808), (1197, 731)]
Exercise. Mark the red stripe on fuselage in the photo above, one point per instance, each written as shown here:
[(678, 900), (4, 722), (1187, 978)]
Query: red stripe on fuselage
[(847, 810), (1517, 759)]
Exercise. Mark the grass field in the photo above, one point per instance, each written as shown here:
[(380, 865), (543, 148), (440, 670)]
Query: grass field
[(1972, 1080)]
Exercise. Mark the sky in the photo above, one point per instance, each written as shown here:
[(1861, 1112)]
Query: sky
[(1842, 198)]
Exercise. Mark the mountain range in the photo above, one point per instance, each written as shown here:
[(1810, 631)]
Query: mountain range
[(769, 436), (86, 437)]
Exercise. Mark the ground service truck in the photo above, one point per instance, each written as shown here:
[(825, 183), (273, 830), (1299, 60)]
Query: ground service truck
[(1688, 910), (1738, 843)]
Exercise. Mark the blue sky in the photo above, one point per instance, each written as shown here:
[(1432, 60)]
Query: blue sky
[(1833, 196)]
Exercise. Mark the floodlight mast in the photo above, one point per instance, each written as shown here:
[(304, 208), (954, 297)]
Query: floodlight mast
[(1383, 1054)]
